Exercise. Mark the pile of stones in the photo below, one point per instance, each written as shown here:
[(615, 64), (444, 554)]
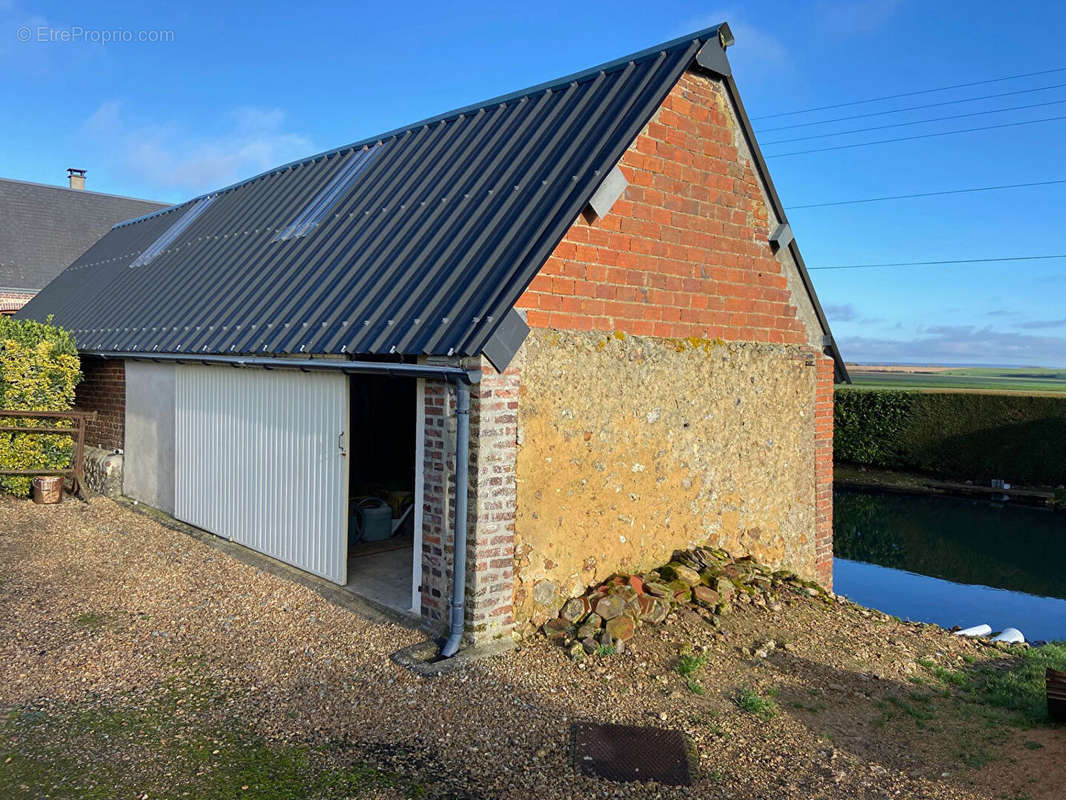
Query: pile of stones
[(708, 580)]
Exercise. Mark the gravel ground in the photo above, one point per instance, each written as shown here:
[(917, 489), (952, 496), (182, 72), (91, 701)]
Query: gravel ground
[(101, 607)]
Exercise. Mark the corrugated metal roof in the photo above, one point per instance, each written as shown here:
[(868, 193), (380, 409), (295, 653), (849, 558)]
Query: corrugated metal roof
[(432, 245), (417, 241)]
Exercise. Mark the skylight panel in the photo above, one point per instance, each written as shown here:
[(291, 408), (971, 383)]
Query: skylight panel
[(316, 211), (170, 235)]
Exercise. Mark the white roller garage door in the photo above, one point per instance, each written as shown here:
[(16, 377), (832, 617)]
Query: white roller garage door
[(260, 459)]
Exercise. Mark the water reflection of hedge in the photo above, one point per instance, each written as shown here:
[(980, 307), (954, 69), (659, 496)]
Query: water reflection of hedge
[(860, 532), (1017, 438), (966, 541)]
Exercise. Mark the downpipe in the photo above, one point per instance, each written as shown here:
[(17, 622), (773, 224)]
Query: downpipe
[(462, 468)]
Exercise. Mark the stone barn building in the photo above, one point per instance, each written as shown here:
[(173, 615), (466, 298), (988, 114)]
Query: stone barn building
[(573, 318)]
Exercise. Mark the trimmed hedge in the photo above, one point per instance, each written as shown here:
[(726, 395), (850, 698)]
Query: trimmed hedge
[(39, 369), (972, 436)]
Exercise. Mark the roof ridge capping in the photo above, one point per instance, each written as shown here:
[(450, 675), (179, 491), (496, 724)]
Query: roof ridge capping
[(711, 56)]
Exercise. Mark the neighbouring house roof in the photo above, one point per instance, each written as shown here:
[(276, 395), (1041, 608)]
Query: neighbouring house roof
[(417, 241), (44, 228)]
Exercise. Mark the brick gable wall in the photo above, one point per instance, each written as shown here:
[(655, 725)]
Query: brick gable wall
[(684, 253)]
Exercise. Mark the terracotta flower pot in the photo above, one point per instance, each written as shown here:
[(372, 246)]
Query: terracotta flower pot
[(47, 489)]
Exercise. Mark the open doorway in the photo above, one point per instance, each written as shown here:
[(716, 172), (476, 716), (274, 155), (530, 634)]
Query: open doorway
[(385, 488)]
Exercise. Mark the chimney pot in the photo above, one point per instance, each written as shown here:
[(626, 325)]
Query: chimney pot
[(77, 178)]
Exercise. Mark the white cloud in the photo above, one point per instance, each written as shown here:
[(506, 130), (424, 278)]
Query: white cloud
[(19, 51), (960, 344), (167, 156), (844, 312), (854, 17), (757, 53), (1038, 324), (757, 47), (105, 120)]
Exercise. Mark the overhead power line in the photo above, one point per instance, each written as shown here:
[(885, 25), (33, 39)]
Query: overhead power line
[(911, 94), (927, 194), (918, 136), (915, 122), (914, 108), (942, 263)]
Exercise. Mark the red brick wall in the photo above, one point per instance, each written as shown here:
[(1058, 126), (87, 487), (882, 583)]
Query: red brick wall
[(823, 482), (103, 390), (685, 251)]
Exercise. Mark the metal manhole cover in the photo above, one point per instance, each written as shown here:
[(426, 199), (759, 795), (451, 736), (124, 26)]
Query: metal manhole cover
[(632, 753)]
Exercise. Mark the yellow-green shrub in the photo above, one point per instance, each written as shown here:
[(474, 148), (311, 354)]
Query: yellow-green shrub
[(39, 369)]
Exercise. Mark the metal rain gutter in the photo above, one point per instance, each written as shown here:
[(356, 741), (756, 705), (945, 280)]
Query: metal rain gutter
[(463, 379)]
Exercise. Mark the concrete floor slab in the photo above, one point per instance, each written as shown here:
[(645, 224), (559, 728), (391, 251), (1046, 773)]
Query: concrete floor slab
[(383, 577)]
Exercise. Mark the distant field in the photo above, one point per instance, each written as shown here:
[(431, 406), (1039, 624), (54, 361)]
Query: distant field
[(981, 379)]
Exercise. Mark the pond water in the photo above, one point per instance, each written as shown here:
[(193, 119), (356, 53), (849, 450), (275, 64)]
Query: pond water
[(952, 561)]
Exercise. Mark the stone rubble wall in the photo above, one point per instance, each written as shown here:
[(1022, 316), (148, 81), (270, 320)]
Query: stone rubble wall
[(630, 448), (103, 471)]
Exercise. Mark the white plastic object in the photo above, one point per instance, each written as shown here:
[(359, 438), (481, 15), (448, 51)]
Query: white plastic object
[(976, 630), (1010, 636)]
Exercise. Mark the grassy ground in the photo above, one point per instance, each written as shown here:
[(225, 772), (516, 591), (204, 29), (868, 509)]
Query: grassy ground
[(170, 742), (139, 662), (1022, 380)]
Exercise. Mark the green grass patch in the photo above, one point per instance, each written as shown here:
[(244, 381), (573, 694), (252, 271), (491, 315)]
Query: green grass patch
[(689, 665), (173, 745), (1014, 684), (915, 710), (812, 708), (969, 378), (90, 620), (974, 759), (754, 703), (950, 677), (1018, 684)]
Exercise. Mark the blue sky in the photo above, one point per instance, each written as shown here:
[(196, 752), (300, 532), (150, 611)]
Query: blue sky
[(241, 87)]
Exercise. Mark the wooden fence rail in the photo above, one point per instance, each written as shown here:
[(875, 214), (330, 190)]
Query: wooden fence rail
[(76, 472)]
